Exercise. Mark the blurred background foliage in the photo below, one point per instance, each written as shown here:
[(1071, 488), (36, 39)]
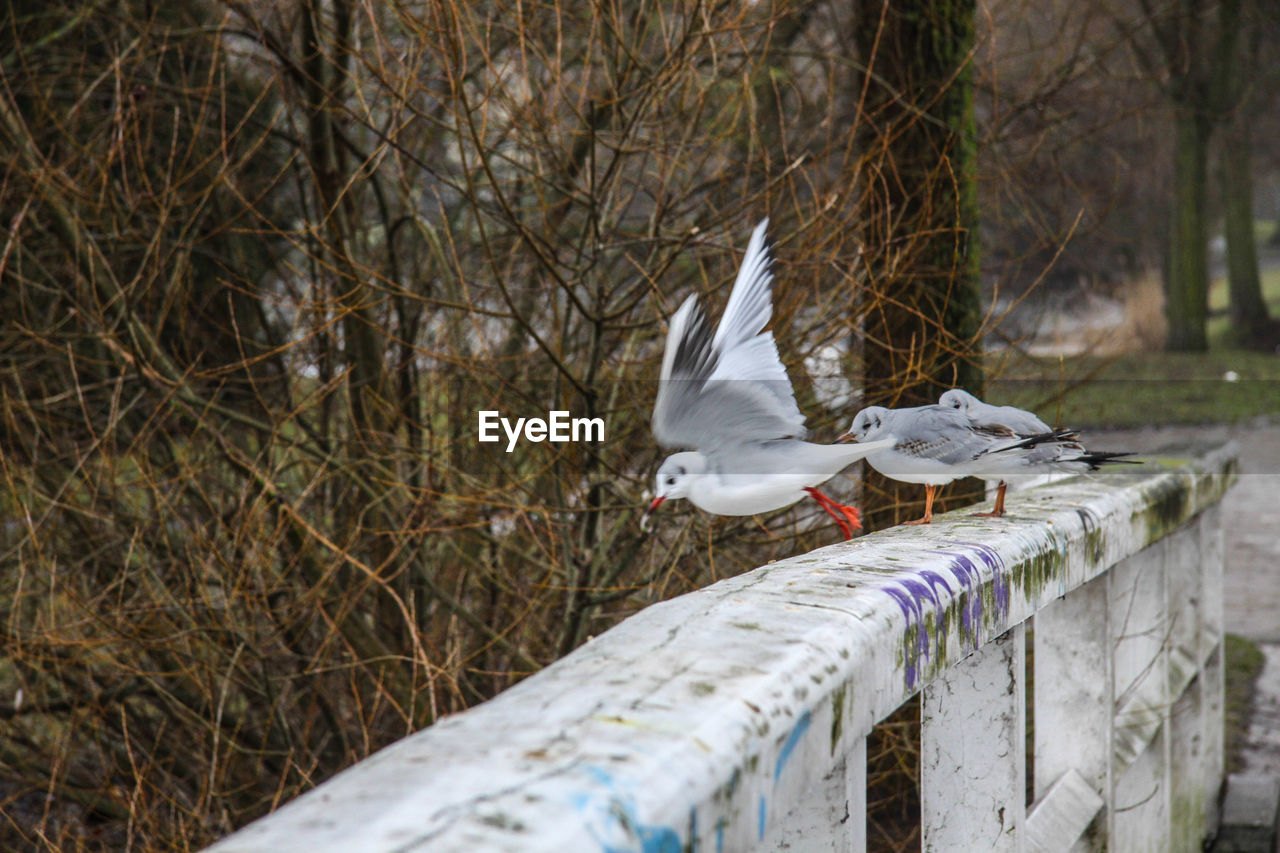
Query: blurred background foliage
[(264, 260)]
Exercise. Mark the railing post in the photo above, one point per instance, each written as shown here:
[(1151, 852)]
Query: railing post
[(1143, 635), (1195, 592), (832, 816), (1211, 668), (1074, 701), (973, 751)]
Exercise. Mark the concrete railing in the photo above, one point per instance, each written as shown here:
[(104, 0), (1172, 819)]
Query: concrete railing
[(735, 718)]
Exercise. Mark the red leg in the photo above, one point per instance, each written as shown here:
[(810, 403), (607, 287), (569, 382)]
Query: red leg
[(826, 503), (999, 508), (852, 514), (852, 519), (927, 518)]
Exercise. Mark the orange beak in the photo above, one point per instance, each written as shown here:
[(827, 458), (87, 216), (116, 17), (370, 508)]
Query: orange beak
[(845, 439)]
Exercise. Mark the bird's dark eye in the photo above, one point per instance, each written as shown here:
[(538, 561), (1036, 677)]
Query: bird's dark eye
[(671, 481)]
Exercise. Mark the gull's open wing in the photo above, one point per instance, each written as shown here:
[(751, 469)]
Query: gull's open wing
[(750, 302), (729, 386)]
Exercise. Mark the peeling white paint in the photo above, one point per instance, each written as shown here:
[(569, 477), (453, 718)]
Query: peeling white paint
[(973, 746)]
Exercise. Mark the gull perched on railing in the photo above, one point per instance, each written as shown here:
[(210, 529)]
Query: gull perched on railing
[(1066, 455), (934, 445), (727, 395)]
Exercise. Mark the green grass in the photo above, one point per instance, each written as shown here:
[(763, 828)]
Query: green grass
[(1219, 327), (1141, 388), (1243, 664), (1137, 389)]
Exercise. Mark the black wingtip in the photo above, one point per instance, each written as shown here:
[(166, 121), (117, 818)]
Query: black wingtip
[(1096, 459), (695, 356), (1057, 436)]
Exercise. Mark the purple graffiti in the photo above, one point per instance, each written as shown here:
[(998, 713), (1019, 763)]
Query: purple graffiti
[(971, 611), (935, 581), (912, 613), (999, 577), (913, 590)]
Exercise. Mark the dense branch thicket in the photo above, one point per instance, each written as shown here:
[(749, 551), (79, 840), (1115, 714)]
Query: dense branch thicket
[(262, 265)]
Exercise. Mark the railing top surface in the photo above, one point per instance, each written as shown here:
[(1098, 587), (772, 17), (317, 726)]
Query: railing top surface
[(691, 717)]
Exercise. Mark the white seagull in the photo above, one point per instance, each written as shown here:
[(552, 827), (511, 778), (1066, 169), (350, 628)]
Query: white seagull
[(1067, 454), (934, 445), (727, 396)]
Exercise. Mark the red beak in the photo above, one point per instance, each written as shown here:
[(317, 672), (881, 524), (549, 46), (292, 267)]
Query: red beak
[(845, 439), (653, 505)]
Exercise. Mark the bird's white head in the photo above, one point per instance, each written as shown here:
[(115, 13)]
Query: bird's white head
[(867, 424), (960, 399), (674, 479)]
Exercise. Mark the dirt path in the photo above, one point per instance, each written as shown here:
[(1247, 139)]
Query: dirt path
[(1251, 511)]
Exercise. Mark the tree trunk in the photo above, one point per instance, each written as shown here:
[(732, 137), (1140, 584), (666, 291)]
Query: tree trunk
[(1249, 316), (327, 46), (1240, 44), (1186, 297), (922, 333)]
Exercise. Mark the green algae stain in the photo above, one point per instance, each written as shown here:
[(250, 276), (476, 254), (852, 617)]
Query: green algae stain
[(1095, 545), (837, 714), (1036, 572), (726, 791), (1169, 506), (1187, 828), (503, 821), (1095, 542)]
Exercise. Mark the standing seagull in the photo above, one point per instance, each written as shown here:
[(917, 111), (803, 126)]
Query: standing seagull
[(728, 396), (1066, 455), (934, 445)]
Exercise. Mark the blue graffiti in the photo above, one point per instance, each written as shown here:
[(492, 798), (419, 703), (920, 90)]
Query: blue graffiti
[(612, 821), (797, 732), (762, 817), (656, 839)]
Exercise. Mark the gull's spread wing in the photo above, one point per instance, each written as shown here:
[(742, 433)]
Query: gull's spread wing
[(729, 386)]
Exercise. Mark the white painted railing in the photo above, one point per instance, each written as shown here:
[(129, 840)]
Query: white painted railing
[(735, 718)]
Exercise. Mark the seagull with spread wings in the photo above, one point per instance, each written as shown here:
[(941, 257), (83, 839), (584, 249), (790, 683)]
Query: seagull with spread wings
[(726, 395)]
